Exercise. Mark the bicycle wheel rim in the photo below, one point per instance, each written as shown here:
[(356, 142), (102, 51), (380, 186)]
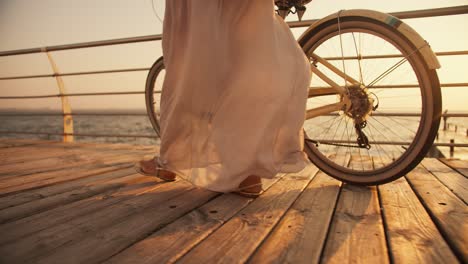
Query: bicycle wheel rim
[(153, 91), (429, 104)]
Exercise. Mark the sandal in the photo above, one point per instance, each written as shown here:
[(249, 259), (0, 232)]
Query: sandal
[(252, 189), (154, 170), (250, 194)]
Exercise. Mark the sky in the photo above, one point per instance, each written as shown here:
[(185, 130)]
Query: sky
[(38, 23)]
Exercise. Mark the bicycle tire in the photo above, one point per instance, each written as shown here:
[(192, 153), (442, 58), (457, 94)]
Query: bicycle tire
[(152, 102), (390, 167)]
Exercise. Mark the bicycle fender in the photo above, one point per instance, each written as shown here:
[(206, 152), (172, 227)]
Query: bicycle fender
[(424, 49)]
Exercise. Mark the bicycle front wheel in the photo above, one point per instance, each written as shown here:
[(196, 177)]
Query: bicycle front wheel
[(396, 104), (153, 89)]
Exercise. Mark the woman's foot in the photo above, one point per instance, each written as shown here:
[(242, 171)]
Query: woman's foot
[(251, 187), (150, 168)]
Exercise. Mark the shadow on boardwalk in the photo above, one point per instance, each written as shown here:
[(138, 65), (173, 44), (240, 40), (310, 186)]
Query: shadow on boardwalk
[(104, 212)]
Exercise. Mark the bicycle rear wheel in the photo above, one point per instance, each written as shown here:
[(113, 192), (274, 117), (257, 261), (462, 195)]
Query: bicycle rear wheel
[(396, 105)]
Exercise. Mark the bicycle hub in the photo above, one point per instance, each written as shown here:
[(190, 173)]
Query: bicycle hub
[(361, 104)]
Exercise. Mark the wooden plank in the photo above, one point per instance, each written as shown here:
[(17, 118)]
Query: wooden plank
[(32, 150), (35, 150), (456, 182), (459, 165), (82, 145), (106, 146), (114, 146), (27, 154), (14, 230), (12, 171), (177, 238), (119, 236), (237, 239), (40, 180), (120, 179), (447, 210), (412, 235), (40, 193), (356, 234), (301, 234), (53, 163), (47, 241), (46, 164), (9, 142)]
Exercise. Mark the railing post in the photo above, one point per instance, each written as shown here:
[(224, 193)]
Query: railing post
[(452, 147), (445, 120), (66, 109)]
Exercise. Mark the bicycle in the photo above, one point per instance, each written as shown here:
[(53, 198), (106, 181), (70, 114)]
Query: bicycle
[(355, 131)]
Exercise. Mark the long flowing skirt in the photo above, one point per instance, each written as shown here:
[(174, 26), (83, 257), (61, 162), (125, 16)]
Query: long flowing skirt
[(234, 95)]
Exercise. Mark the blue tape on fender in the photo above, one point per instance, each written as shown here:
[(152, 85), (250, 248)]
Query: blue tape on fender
[(393, 21)]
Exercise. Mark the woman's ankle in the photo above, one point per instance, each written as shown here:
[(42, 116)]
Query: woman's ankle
[(252, 183)]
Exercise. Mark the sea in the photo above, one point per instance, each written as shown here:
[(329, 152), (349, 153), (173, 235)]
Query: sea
[(113, 128), (120, 128)]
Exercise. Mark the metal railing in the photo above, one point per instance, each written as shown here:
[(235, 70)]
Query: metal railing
[(67, 115)]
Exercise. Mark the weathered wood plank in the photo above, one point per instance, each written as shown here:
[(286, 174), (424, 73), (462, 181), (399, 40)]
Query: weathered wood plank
[(58, 215), (45, 242), (447, 210), (10, 142), (412, 235), (34, 150), (120, 178), (237, 239), (456, 182), (40, 180), (40, 193), (110, 240), (79, 145), (459, 165), (356, 233), (40, 164), (12, 171), (37, 152), (177, 238), (114, 146), (102, 145), (301, 234), (61, 162), (28, 153)]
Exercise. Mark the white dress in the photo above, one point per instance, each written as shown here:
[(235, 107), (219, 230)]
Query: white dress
[(234, 95)]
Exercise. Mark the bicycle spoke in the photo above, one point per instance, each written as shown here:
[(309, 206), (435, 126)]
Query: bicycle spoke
[(371, 135), (359, 58), (384, 136), (387, 128), (393, 68), (398, 83)]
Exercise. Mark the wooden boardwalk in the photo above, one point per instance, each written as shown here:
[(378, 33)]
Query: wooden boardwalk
[(83, 203)]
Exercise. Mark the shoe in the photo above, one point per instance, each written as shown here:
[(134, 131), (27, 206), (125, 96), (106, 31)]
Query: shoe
[(151, 168), (251, 187)]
